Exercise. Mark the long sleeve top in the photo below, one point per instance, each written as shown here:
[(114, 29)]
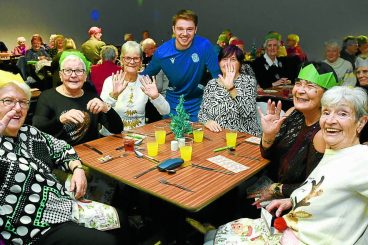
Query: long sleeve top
[(292, 154), (237, 113), (51, 104), (130, 104), (31, 198)]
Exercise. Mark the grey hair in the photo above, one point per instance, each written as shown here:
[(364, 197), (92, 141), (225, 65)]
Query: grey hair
[(146, 42), (72, 57), (109, 52), (20, 39), (130, 47), (22, 85), (356, 97), (267, 40), (332, 44)]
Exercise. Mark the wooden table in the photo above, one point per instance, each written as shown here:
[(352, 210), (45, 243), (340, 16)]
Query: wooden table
[(207, 186)]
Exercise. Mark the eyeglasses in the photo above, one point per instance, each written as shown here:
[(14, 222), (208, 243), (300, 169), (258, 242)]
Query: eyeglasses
[(306, 85), (128, 59), (69, 72), (361, 72), (24, 104)]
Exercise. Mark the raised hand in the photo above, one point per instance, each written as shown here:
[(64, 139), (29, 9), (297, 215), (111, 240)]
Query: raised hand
[(272, 121), (118, 83), (5, 120), (228, 80), (72, 116), (149, 87)]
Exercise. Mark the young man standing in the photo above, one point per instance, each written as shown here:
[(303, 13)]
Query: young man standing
[(185, 59)]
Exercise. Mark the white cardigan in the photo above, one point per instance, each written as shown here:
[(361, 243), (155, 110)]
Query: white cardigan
[(130, 104)]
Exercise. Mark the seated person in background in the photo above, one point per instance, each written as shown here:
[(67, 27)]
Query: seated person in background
[(149, 47), (128, 37), (291, 142), (100, 72), (222, 42), (293, 47), (363, 46), (343, 68), (349, 49), (271, 70), (331, 205), (361, 73), (3, 48), (239, 43), (36, 52), (47, 213), (92, 47), (230, 100), (68, 44), (21, 47), (70, 112), (129, 92), (58, 46)]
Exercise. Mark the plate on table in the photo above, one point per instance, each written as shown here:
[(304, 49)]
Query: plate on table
[(270, 91)]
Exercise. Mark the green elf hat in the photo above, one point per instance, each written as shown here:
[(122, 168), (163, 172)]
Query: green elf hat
[(79, 55), (311, 74)]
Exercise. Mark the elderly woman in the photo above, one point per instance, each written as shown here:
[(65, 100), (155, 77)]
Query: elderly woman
[(361, 73), (70, 112), (35, 207), (148, 47), (293, 47), (271, 70), (100, 72), (343, 68), (21, 47), (58, 46), (291, 142), (129, 92), (230, 100), (36, 52), (330, 207)]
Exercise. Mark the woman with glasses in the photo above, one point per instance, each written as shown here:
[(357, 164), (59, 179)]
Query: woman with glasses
[(128, 92), (35, 207), (68, 111), (292, 142)]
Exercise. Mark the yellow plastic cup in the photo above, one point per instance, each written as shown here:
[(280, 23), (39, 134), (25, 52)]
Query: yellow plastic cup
[(160, 134), (152, 148), (186, 149), (231, 138), (198, 132)]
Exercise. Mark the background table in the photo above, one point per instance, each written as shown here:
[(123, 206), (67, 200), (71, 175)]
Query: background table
[(207, 185)]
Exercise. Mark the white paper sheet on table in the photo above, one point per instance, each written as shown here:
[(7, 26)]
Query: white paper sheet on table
[(228, 163)]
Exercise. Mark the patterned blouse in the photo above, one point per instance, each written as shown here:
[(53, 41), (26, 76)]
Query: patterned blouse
[(237, 113), (31, 198)]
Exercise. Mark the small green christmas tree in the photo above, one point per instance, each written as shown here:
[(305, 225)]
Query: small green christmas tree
[(180, 124)]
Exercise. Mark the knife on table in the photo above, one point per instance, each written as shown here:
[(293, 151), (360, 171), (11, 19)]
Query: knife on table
[(212, 169), (144, 172), (93, 148)]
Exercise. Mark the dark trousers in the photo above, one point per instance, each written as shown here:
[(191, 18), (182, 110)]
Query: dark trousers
[(70, 233)]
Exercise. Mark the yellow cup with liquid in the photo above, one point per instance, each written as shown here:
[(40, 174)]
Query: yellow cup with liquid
[(186, 149), (231, 138), (152, 148), (160, 134), (198, 132)]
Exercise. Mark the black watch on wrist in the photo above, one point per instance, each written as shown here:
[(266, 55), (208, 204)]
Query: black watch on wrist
[(78, 166)]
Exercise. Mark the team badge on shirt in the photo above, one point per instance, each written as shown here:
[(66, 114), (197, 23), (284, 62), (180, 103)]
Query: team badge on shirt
[(195, 57), (172, 60)]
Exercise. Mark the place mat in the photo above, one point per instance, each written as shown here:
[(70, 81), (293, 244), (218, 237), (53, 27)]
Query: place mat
[(228, 163), (254, 140)]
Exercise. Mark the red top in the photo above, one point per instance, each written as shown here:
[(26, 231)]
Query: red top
[(102, 71)]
